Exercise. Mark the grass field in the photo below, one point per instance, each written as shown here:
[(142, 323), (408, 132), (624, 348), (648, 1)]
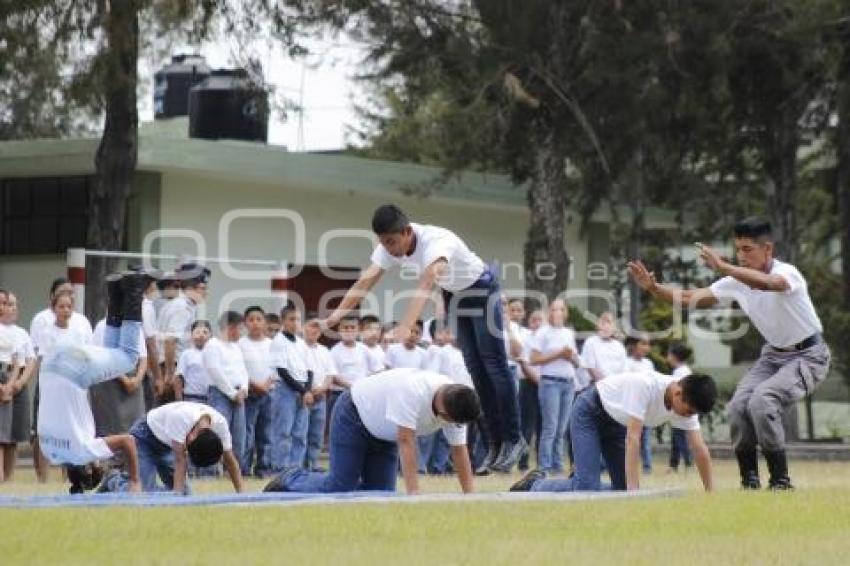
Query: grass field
[(809, 526)]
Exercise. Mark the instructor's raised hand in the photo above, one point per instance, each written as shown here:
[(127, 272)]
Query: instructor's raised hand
[(642, 276)]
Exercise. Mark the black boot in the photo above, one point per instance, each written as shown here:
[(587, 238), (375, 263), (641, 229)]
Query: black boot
[(748, 464), (115, 299), (777, 465), (133, 284)]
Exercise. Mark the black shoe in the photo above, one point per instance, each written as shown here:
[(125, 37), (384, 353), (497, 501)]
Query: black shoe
[(748, 466), (777, 465), (491, 457), (510, 455), (528, 480), (115, 301), (751, 481), (133, 285)]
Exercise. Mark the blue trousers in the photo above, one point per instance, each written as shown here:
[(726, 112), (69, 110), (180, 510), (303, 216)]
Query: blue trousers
[(316, 433), (358, 460), (234, 414), (646, 449), (594, 434), (291, 419), (87, 365), (679, 448), (259, 431), (556, 397), (476, 314)]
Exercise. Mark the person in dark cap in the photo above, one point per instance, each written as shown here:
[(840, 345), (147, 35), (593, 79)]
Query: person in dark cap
[(175, 322)]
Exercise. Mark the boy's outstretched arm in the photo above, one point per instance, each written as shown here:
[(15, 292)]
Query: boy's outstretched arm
[(702, 458)]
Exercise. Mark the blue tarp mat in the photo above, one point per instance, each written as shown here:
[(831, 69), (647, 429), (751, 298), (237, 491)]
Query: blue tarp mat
[(259, 498)]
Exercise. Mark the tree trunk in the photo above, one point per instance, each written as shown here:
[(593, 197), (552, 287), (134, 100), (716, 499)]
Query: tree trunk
[(115, 161), (779, 153), (636, 203), (842, 177), (547, 263)]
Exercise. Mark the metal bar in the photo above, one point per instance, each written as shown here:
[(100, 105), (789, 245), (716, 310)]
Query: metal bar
[(138, 255)]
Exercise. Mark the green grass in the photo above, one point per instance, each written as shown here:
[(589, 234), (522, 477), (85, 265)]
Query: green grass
[(809, 526)]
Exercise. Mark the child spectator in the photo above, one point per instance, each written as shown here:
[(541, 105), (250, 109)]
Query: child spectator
[(555, 352), (678, 355), (371, 333), (637, 348), (229, 379), (259, 406), (320, 362), (293, 397)]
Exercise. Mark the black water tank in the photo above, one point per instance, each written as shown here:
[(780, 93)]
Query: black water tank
[(173, 82), (228, 105)]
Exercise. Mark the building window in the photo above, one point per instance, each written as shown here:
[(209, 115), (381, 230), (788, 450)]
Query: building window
[(43, 215)]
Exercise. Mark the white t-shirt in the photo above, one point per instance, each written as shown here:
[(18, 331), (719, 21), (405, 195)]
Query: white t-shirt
[(25, 347), (65, 425), (403, 397), (172, 422), (783, 318), (46, 319), (225, 366), (100, 329), (352, 362), (448, 361), (641, 395), (9, 344), (433, 243), (47, 338), (398, 356), (517, 331), (148, 319), (547, 340), (190, 365), (377, 358), (258, 358), (606, 355), (321, 363), (682, 371), (290, 355), (175, 321), (643, 364)]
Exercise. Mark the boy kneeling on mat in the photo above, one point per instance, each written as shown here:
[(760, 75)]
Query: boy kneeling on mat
[(166, 436), (375, 424), (607, 420), (66, 428)]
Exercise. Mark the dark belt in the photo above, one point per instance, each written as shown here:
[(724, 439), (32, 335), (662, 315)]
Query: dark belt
[(812, 340), (484, 280), (556, 378), (193, 397)]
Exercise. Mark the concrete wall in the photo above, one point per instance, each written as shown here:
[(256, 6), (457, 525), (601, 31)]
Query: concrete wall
[(29, 277)]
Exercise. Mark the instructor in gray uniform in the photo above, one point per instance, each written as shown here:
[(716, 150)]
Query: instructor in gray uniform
[(794, 360)]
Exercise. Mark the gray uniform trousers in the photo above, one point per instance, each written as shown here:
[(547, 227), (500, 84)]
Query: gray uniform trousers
[(775, 381)]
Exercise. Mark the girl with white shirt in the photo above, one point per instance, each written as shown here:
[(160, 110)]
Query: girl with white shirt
[(556, 353), (47, 337), (22, 371), (225, 365)]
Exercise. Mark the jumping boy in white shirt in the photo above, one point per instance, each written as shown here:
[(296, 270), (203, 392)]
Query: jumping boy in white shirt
[(470, 294)]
